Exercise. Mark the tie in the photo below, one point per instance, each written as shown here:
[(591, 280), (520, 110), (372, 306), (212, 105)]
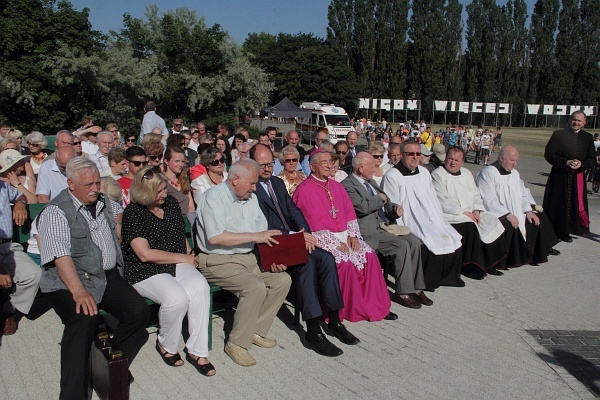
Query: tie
[(274, 198), (380, 212)]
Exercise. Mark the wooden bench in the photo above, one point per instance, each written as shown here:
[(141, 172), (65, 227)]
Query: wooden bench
[(21, 235)]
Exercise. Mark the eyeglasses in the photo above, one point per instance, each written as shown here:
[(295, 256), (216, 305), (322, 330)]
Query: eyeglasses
[(216, 162), (137, 164), (290, 160), (76, 143), (325, 162), (412, 153), (33, 144), (426, 155), (267, 165), (377, 156), (341, 152), (154, 158), (150, 173), (131, 140), (177, 124)]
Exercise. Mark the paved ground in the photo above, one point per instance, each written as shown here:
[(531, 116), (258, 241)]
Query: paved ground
[(476, 342)]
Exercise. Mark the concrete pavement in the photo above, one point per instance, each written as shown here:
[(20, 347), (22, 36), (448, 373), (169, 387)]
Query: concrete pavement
[(471, 344)]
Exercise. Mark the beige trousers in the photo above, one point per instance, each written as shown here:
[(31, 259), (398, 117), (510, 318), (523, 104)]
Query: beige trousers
[(260, 294)]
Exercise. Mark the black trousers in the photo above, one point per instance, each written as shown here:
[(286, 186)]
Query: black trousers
[(121, 300), (318, 276)]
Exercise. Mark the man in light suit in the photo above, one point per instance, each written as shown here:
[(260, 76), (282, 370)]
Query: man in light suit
[(320, 271), (372, 207)]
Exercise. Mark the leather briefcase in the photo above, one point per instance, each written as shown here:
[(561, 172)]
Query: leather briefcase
[(110, 370)]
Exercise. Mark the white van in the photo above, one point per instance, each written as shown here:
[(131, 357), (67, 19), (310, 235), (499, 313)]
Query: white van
[(324, 115)]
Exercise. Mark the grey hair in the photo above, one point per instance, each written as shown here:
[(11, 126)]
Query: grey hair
[(393, 146), (209, 154), (288, 150), (78, 164), (242, 168), (326, 145), (107, 133), (314, 159), (63, 132), (360, 159), (37, 137)]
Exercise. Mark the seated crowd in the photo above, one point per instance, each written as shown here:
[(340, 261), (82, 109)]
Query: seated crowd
[(113, 232)]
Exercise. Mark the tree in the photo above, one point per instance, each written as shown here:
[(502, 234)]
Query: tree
[(586, 90), (435, 34), (544, 22), (32, 29), (567, 50), (483, 27)]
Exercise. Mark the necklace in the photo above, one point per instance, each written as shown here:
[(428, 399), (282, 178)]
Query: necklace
[(325, 187), (211, 179)]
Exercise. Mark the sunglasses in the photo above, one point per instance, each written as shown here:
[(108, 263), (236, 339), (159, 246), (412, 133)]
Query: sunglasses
[(154, 157), (137, 164), (32, 144), (131, 140), (214, 163), (76, 143), (377, 156), (412, 153), (150, 173), (178, 124), (290, 160), (341, 152)]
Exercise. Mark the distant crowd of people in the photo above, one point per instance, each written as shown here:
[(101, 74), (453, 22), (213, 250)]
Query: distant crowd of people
[(113, 231)]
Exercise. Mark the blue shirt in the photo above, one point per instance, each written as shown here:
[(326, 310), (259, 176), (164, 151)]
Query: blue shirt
[(8, 194)]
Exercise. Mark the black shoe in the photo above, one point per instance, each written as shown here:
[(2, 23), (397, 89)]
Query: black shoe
[(495, 272), (321, 345), (339, 331), (553, 252), (474, 275), (566, 238), (391, 317), (460, 283)]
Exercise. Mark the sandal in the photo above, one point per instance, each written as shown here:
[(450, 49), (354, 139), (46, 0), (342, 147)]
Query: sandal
[(204, 369), (169, 359)]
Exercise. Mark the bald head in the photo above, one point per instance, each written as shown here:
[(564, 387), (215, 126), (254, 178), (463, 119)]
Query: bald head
[(63, 156), (363, 165), (157, 131)]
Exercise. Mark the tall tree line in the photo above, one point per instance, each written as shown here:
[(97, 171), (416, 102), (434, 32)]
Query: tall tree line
[(498, 55)]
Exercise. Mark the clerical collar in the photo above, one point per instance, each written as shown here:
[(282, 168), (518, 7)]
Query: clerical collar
[(317, 179), (405, 171), (457, 173), (500, 168)]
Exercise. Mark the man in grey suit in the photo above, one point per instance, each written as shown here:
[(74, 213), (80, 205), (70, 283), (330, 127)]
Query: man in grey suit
[(372, 207)]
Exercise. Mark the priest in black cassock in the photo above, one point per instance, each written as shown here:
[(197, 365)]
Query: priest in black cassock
[(571, 152)]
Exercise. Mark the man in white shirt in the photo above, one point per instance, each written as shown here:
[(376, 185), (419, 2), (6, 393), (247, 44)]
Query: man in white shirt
[(52, 178), (100, 158), (231, 223)]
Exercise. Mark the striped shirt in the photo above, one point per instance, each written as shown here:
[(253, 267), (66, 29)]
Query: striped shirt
[(55, 234)]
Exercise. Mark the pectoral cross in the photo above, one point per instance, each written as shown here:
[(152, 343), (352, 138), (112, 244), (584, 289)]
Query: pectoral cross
[(333, 211)]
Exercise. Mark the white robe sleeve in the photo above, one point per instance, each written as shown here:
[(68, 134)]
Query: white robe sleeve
[(486, 182), (440, 182)]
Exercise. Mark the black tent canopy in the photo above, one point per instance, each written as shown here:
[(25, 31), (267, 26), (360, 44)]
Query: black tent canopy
[(287, 109)]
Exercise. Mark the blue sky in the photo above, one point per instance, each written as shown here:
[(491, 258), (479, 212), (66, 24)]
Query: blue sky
[(237, 17)]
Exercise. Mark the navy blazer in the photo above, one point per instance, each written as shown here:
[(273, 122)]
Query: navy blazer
[(292, 214)]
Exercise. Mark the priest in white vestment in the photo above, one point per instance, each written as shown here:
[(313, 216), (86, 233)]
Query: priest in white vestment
[(504, 194), (410, 186), (482, 245)]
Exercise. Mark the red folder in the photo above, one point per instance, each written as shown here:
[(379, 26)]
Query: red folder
[(290, 251)]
